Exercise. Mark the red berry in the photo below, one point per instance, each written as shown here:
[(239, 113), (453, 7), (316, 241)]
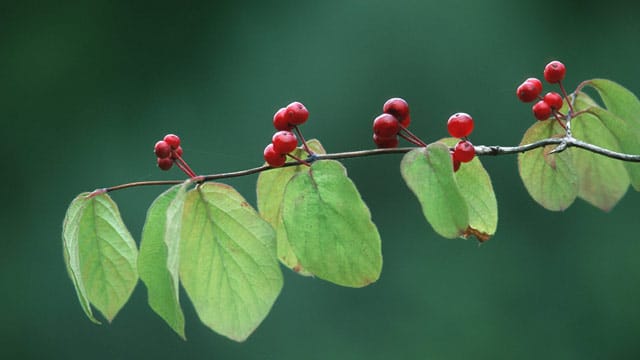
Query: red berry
[(176, 153), (399, 108), (537, 83), (273, 158), (554, 100), (296, 113), (528, 91), (165, 163), (284, 142), (386, 126), (162, 149), (460, 125), (554, 72), (541, 110), (456, 163), (385, 142), (280, 120), (172, 140), (464, 151)]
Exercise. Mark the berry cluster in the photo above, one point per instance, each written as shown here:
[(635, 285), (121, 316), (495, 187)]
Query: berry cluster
[(284, 141), (549, 104), (168, 151), (393, 122), (460, 125)]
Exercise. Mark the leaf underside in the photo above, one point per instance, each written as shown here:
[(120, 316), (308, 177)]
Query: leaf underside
[(100, 254), (455, 204), (228, 263), (622, 119), (158, 261), (270, 193), (602, 181), (329, 226), (550, 179)]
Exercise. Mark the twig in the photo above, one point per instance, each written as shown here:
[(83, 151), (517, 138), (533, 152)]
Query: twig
[(481, 150)]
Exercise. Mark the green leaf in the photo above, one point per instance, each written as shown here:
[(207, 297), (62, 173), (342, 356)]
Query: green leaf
[(159, 254), (550, 179), (476, 188), (228, 263), (330, 227), (70, 230), (429, 174), (618, 100), (603, 181), (270, 193), (100, 254), (622, 118)]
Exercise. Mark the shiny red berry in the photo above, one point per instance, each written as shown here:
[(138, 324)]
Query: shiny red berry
[(162, 149), (386, 125), (554, 72), (165, 163), (385, 142), (460, 125), (541, 110), (554, 100), (280, 120), (537, 83), (172, 140), (273, 158), (464, 151), (528, 91), (399, 108), (296, 113), (284, 142)]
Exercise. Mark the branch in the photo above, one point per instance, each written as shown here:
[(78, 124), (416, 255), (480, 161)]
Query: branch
[(481, 150)]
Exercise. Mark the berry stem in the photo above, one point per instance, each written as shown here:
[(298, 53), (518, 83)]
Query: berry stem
[(184, 167), (304, 142), (558, 118), (566, 97), (299, 160), (411, 137)]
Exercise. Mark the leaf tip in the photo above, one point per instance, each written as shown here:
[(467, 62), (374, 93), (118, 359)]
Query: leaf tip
[(479, 235)]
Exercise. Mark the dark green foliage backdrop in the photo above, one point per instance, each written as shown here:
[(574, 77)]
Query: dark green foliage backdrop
[(86, 88)]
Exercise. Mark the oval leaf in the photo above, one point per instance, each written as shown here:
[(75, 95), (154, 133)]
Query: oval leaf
[(618, 100), (270, 193), (622, 118), (429, 174), (476, 188), (550, 179), (329, 226), (602, 181), (100, 254), (70, 230), (158, 261), (228, 263)]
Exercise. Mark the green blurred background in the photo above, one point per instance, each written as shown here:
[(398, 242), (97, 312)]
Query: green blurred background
[(88, 87)]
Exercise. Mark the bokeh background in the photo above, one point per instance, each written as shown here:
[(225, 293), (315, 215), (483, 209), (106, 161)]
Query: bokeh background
[(87, 87)]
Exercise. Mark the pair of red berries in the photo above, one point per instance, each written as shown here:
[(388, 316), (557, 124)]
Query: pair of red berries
[(531, 89), (167, 150), (395, 116), (286, 118), (282, 143), (460, 125)]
